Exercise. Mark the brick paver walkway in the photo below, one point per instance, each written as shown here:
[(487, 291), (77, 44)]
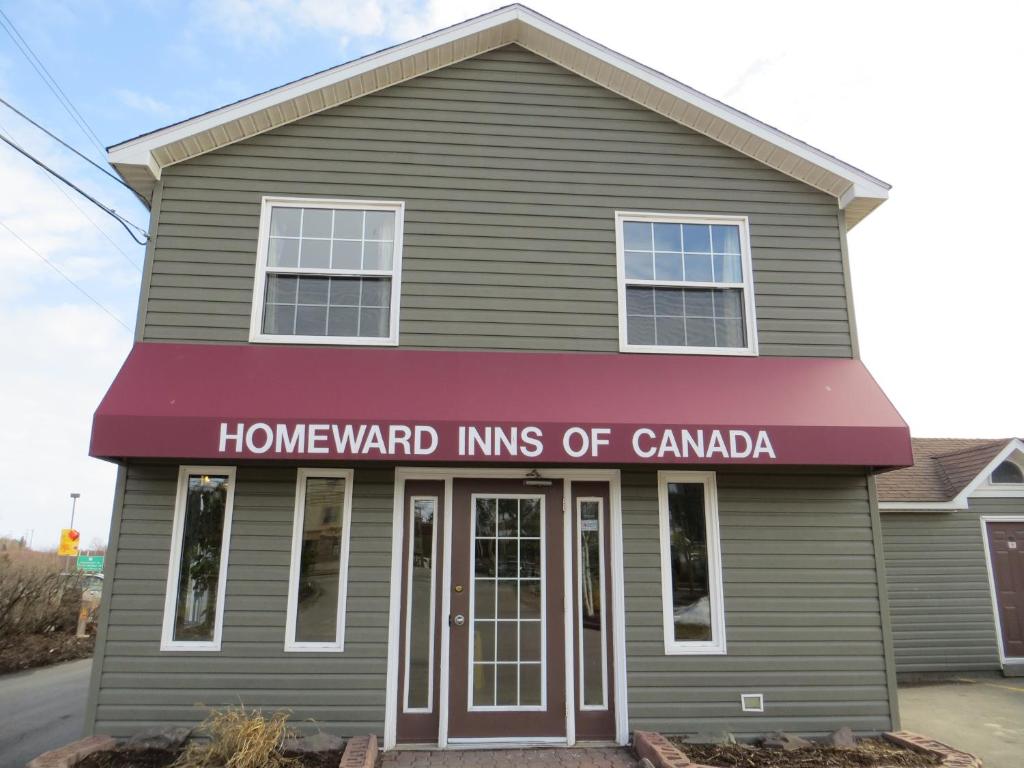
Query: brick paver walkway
[(590, 757)]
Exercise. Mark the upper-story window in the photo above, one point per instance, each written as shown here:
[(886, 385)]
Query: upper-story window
[(1008, 473), (685, 284), (328, 272)]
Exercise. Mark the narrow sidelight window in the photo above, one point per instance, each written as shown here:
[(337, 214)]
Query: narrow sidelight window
[(194, 603), (591, 598), (419, 628), (328, 272), (316, 591), (690, 563), (685, 284)]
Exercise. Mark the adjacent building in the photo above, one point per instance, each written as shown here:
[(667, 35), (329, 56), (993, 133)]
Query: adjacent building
[(953, 528), (495, 388)]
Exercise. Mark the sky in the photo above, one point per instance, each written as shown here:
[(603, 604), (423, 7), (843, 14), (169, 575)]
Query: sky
[(923, 95)]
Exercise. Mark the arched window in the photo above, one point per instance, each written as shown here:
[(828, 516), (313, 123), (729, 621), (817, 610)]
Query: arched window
[(1008, 472)]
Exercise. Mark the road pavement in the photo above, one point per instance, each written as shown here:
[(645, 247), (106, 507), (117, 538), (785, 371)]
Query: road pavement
[(41, 709), (980, 713)]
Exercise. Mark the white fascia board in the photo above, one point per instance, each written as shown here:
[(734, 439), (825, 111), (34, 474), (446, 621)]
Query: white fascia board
[(139, 151), (921, 506), (135, 151)]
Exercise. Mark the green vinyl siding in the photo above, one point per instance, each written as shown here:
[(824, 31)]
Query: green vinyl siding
[(939, 596), (803, 622), (136, 685), (511, 169)]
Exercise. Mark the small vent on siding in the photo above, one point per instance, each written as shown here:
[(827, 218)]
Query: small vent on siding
[(752, 702)]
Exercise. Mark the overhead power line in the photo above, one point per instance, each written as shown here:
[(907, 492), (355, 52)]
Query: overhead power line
[(128, 226), (50, 81), (63, 274), (85, 215), (64, 144)]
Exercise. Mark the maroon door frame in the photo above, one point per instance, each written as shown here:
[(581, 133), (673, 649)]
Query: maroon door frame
[(497, 724), (1005, 541), (421, 727), (593, 724)]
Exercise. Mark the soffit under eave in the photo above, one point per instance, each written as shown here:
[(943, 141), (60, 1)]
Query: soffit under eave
[(539, 42)]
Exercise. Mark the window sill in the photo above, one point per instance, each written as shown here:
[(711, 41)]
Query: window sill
[(654, 349), (336, 341), (695, 649), (202, 647)]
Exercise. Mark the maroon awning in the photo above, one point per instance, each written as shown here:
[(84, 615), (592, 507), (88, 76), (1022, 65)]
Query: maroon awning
[(202, 402)]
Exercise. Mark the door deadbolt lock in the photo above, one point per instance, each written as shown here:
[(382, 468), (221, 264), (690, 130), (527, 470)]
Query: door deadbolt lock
[(458, 587), (459, 620)]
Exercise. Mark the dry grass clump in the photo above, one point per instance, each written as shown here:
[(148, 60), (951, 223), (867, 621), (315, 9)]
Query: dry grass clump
[(239, 738)]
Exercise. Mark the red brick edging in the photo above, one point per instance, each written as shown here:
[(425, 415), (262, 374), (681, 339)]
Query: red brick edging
[(360, 752), (664, 754), (950, 757), (68, 755)]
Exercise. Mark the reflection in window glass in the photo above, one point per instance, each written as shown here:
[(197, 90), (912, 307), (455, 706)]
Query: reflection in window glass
[(316, 619), (684, 285), (421, 604), (591, 601), (202, 541), (507, 599), (329, 272), (688, 553), (1008, 472)]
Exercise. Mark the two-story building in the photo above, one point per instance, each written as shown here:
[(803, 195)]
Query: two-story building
[(496, 388)]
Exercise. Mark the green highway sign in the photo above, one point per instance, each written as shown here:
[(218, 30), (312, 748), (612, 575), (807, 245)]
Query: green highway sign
[(90, 563)]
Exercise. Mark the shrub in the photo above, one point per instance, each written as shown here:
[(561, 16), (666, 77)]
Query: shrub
[(239, 738), (35, 597)]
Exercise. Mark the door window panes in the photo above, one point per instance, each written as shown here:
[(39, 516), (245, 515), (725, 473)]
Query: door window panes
[(319, 577), (202, 546), (507, 642), (688, 555)]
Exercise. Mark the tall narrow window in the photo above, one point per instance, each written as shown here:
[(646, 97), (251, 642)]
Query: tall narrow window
[(685, 284), (328, 272), (690, 563), (194, 604), (592, 615), (316, 592), (419, 629)]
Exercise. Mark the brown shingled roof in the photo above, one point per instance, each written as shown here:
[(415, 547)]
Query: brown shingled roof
[(942, 468)]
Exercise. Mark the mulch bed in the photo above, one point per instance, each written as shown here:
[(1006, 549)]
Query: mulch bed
[(162, 758), (29, 651), (870, 753)]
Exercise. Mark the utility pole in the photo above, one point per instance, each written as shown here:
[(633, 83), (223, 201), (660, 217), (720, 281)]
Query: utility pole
[(74, 500)]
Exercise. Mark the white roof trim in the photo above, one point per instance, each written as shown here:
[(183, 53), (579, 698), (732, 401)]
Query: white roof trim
[(141, 160), (960, 501)]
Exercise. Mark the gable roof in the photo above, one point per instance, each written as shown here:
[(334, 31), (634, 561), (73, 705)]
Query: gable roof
[(140, 161), (945, 471)]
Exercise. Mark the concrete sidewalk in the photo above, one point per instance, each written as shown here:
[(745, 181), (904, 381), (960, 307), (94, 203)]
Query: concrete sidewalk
[(980, 713), (41, 709)]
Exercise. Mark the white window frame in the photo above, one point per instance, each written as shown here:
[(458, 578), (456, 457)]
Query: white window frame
[(290, 643), (750, 319), (717, 644), (580, 501), (408, 606), (167, 641), (256, 333)]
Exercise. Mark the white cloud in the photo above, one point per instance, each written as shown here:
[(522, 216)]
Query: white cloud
[(60, 351), (143, 103), (274, 21)]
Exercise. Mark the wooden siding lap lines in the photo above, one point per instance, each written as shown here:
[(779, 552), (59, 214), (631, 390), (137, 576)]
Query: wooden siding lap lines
[(559, 217)]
